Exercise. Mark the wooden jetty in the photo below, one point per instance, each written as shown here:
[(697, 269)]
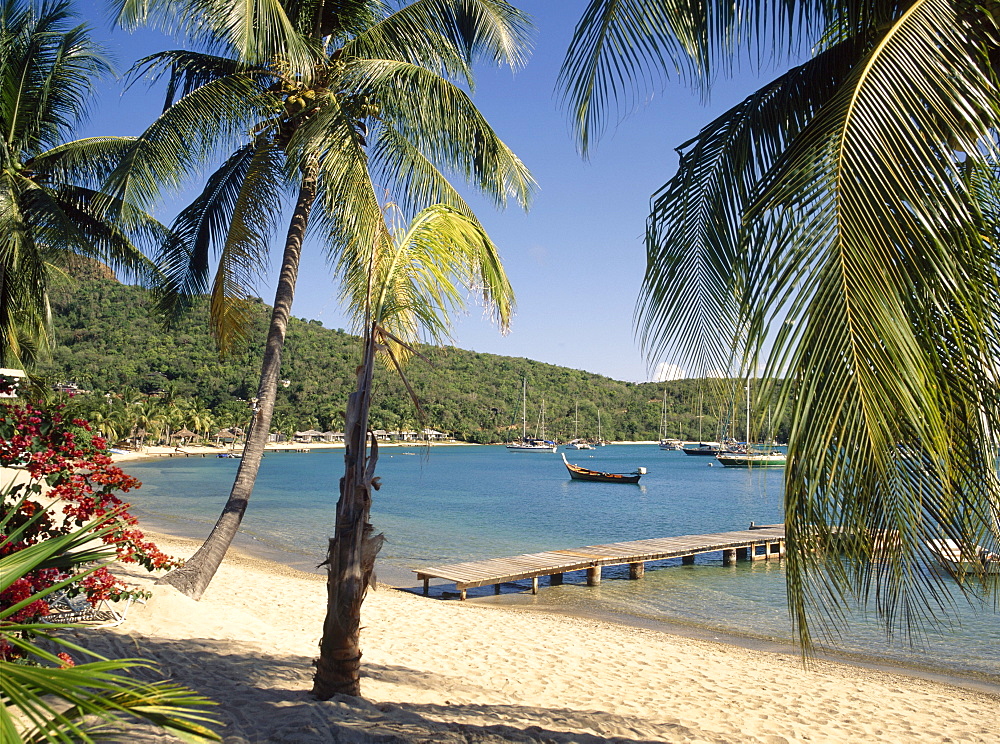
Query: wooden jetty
[(764, 542)]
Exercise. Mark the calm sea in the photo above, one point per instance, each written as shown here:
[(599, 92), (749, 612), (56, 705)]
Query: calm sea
[(453, 504)]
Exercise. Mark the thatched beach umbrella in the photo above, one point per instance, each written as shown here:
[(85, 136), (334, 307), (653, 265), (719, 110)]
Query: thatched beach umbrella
[(182, 434)]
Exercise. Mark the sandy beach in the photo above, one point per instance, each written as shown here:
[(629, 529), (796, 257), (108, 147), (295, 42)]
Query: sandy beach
[(200, 450), (446, 671)]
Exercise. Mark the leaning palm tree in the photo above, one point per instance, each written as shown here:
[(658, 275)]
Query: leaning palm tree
[(839, 224), (375, 104), (51, 205), (407, 284)]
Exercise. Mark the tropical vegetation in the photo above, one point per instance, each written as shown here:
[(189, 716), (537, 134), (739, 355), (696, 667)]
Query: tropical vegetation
[(52, 208), (59, 525), (110, 343), (342, 105), (837, 226)]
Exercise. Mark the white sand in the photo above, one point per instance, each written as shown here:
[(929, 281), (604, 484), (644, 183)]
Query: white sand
[(445, 671)]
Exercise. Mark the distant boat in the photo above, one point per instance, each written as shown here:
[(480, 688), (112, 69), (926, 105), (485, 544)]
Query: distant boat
[(665, 443), (576, 443), (704, 448), (585, 474), (950, 555), (752, 459), (530, 444), (227, 455)]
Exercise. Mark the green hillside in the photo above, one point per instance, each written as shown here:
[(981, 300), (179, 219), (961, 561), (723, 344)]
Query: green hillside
[(108, 339)]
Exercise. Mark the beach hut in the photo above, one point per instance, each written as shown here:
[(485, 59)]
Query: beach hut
[(183, 434)]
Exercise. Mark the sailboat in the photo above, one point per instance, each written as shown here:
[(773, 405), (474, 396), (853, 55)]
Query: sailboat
[(577, 443), (666, 444), (600, 438), (703, 448), (750, 458), (527, 444)]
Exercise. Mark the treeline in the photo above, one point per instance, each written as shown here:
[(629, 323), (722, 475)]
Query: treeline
[(110, 339)]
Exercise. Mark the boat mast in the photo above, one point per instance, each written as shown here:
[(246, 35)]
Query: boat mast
[(748, 411), (524, 408), (663, 416)]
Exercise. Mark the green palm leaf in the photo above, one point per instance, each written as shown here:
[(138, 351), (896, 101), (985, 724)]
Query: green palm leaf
[(445, 126), (434, 34), (234, 211), (258, 30), (848, 209), (703, 269)]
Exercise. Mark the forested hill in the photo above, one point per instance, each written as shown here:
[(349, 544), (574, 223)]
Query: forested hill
[(109, 340)]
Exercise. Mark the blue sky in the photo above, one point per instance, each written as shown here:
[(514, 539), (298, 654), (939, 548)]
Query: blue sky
[(576, 259)]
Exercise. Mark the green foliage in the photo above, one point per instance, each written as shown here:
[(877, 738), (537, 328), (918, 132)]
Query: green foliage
[(108, 339), (47, 696), (52, 210)]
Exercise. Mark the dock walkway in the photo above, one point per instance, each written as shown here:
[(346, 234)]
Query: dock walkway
[(756, 543)]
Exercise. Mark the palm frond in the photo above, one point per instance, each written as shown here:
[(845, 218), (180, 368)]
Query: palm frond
[(444, 125), (447, 36), (243, 258), (187, 134), (84, 162), (186, 70), (350, 218), (185, 256), (702, 269), (259, 31), (419, 275), (412, 179), (621, 49), (892, 338), (48, 74), (58, 704)]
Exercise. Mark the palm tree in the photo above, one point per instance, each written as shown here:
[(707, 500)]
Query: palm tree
[(412, 278), (847, 209), (372, 106), (51, 206)]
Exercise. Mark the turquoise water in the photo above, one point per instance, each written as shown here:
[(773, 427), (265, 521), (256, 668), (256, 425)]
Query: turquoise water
[(462, 503)]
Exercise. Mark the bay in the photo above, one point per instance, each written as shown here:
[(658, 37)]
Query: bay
[(449, 504)]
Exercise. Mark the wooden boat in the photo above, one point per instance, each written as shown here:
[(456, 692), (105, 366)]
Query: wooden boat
[(950, 555), (585, 474)]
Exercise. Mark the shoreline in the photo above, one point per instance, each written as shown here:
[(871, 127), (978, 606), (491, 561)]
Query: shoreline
[(200, 450), (460, 672), (282, 561)]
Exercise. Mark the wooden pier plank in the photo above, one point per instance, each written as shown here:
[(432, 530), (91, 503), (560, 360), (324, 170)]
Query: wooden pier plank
[(470, 574)]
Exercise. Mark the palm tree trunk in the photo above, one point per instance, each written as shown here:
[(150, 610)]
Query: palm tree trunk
[(351, 554), (194, 576)]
